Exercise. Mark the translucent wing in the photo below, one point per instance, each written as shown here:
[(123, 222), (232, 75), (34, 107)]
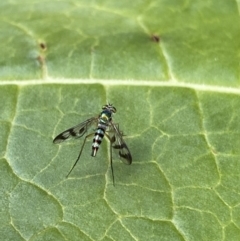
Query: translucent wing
[(115, 137), (76, 131)]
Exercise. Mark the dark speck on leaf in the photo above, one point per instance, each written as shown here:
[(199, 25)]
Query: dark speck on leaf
[(43, 46), (155, 38)]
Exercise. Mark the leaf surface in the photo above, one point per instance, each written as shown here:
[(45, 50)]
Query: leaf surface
[(171, 68)]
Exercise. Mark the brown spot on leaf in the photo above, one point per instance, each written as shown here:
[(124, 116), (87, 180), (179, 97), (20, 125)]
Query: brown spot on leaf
[(43, 46), (155, 38)]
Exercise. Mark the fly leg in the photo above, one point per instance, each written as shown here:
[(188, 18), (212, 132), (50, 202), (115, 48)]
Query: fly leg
[(79, 153), (112, 140)]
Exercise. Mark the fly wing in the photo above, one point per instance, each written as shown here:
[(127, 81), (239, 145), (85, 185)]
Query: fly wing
[(116, 138), (76, 131)]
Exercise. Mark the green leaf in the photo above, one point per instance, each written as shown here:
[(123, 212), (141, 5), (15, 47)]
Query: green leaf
[(171, 70)]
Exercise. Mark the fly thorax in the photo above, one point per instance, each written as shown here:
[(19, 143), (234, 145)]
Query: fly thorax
[(105, 117)]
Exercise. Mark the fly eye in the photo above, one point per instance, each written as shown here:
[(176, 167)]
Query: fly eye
[(114, 109)]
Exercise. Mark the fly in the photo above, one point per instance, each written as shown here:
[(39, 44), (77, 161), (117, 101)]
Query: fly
[(105, 127)]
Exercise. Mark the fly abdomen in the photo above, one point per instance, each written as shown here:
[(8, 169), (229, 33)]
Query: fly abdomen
[(97, 140)]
